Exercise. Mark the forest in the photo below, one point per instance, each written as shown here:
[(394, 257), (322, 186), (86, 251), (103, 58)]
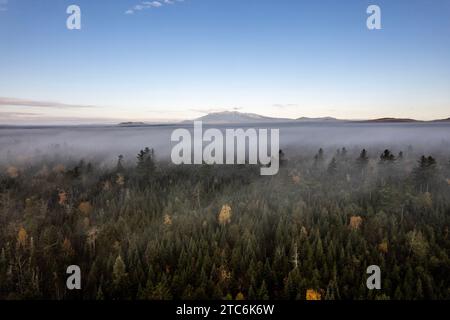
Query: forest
[(145, 229)]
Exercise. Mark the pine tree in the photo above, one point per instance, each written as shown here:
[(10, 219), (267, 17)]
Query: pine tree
[(119, 167), (332, 167), (387, 157), (145, 164), (119, 276), (263, 294), (363, 159), (319, 158)]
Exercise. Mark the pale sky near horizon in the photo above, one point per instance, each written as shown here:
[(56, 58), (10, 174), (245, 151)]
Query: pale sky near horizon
[(174, 60)]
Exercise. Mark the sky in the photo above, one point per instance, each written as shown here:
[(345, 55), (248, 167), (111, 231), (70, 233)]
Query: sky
[(172, 60)]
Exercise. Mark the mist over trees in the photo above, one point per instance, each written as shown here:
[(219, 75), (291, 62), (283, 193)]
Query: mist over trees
[(145, 229)]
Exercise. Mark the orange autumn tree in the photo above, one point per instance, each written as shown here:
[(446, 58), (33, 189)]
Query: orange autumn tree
[(225, 215), (383, 247), (167, 220), (22, 237), (120, 180), (12, 172), (85, 207), (313, 295), (355, 222), (224, 274)]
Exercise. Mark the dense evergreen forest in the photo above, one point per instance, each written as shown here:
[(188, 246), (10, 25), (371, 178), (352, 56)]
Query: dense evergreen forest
[(146, 229)]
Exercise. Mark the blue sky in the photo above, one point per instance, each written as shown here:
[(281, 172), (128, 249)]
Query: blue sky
[(287, 58)]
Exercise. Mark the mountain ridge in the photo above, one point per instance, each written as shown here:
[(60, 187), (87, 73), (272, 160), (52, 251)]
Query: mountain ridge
[(236, 117), (222, 117)]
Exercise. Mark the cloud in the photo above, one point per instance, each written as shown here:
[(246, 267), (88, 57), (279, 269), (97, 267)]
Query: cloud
[(150, 4), (284, 106), (17, 114), (37, 118), (43, 104), (214, 110)]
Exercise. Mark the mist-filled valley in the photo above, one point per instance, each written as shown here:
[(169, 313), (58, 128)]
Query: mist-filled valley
[(108, 199), (103, 144)]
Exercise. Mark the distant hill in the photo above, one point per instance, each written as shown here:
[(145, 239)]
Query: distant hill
[(442, 120), (239, 117), (391, 120), (236, 117), (132, 124), (318, 119)]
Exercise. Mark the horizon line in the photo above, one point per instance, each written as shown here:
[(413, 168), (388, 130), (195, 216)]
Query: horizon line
[(266, 119)]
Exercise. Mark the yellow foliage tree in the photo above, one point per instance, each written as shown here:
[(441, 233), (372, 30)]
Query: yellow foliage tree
[(313, 295), (85, 207), (167, 220), (383, 247), (59, 168), (240, 296), (355, 222), (12, 172), (225, 215), (22, 237), (120, 179), (225, 275)]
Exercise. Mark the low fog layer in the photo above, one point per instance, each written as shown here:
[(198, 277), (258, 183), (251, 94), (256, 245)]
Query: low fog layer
[(104, 143)]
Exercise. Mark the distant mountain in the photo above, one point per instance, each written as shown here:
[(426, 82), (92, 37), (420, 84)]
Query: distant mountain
[(132, 124), (318, 119), (442, 120), (239, 117), (391, 120), (236, 117)]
